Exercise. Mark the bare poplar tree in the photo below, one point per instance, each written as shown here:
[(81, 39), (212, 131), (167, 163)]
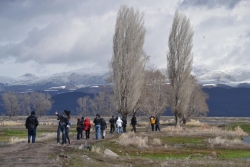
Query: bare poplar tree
[(102, 103), (41, 102), (155, 94), (128, 60), (25, 103), (197, 104), (83, 105), (11, 103), (179, 65)]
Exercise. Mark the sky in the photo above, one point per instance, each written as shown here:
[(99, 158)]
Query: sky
[(47, 37)]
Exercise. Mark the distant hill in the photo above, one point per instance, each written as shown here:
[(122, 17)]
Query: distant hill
[(228, 102), (67, 101)]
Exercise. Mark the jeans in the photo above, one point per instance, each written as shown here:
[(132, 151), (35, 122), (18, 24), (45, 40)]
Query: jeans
[(134, 128), (157, 127), (153, 127), (124, 129), (103, 132), (97, 131), (119, 129), (79, 132), (61, 128), (87, 133), (112, 128), (32, 133), (67, 134)]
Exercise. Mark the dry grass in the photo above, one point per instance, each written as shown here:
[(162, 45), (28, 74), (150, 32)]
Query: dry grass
[(204, 162), (139, 140), (156, 142), (220, 141), (205, 130), (96, 149), (12, 123), (132, 139), (42, 137), (22, 123)]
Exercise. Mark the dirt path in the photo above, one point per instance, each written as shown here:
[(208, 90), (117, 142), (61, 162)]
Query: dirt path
[(39, 154), (25, 155)]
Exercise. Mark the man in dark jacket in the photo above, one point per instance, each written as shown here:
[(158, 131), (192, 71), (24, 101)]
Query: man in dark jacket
[(82, 124), (97, 122), (63, 122), (133, 123), (124, 124), (157, 123), (112, 124), (31, 124)]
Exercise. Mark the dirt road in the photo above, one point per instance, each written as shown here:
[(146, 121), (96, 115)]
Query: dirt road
[(39, 154), (26, 155)]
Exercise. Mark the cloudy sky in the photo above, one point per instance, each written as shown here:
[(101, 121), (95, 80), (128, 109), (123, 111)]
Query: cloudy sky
[(47, 37)]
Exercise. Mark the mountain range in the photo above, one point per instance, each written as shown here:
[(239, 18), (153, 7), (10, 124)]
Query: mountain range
[(228, 90), (78, 79)]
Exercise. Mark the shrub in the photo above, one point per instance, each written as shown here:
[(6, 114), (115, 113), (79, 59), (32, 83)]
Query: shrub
[(42, 137), (156, 142), (220, 141), (131, 139)]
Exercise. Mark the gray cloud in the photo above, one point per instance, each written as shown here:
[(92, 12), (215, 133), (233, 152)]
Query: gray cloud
[(230, 4), (50, 36)]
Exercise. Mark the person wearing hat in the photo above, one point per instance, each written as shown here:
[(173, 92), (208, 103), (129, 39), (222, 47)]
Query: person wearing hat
[(31, 124), (63, 122)]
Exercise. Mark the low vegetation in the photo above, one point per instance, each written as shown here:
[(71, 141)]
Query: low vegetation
[(190, 145)]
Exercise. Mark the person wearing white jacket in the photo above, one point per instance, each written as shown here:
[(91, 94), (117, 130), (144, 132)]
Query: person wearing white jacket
[(119, 125)]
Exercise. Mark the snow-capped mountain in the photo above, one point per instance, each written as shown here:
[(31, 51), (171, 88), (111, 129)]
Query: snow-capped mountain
[(228, 77), (71, 78), (78, 78)]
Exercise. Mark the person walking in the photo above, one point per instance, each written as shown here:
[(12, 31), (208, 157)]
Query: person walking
[(82, 123), (63, 122), (112, 124), (152, 122), (119, 125), (97, 122), (103, 127), (68, 126), (31, 124), (78, 128), (157, 123), (124, 124), (133, 123), (87, 126)]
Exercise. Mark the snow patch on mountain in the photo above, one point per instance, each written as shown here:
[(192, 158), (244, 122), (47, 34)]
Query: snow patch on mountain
[(79, 78)]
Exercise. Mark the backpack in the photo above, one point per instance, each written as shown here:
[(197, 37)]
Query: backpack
[(152, 120)]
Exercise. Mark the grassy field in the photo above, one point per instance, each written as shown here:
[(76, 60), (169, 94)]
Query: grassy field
[(190, 145)]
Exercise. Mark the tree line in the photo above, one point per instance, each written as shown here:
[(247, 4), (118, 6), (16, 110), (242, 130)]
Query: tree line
[(23, 103)]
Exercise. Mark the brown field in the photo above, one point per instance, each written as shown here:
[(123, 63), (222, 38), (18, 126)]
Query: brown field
[(215, 142)]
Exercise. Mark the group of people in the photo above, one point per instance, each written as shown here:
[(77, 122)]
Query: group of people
[(82, 125), (121, 123), (155, 123)]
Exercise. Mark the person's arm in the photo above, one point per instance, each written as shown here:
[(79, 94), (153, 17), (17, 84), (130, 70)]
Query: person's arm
[(26, 123), (36, 122)]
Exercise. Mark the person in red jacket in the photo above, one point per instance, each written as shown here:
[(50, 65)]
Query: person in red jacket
[(87, 126)]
